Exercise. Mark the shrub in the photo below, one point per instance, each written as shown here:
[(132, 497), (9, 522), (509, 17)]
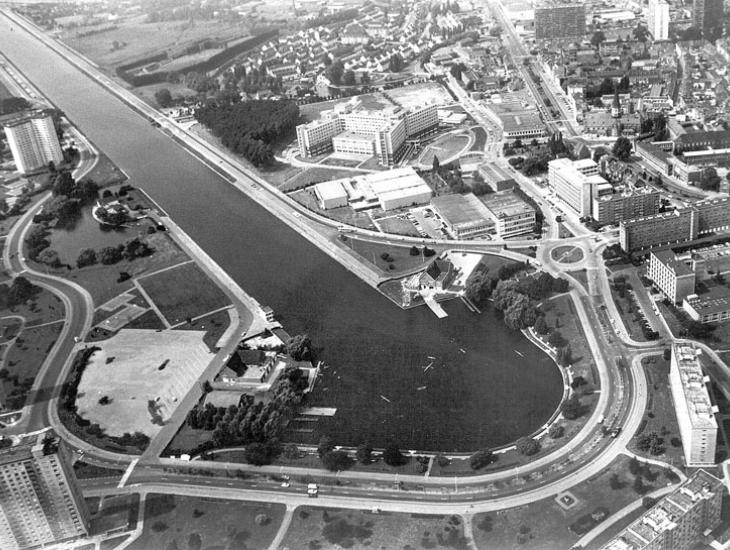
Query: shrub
[(480, 459), (262, 519), (556, 430), (528, 446), (86, 257)]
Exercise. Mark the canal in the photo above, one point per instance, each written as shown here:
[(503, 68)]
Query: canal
[(485, 395)]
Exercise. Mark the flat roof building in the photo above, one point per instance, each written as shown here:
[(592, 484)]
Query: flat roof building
[(712, 306), (398, 188), (679, 520), (658, 19), (465, 216), (613, 206), (32, 139), (660, 229), (331, 194), (512, 216), (673, 275), (574, 182), (695, 412), (40, 503)]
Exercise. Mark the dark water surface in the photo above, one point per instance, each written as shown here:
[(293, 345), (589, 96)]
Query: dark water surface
[(486, 396)]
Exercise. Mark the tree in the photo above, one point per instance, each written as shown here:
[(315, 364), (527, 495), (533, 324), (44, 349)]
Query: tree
[(667, 354), (110, 255), (480, 459), (634, 465), (364, 453), (291, 451), (556, 339), (257, 454), (335, 71), (395, 65), (436, 166), (349, 78), (21, 290), (336, 461), (163, 97), (565, 356), (325, 446), (556, 431), (572, 408), (709, 180), (478, 287), (299, 347), (528, 446), (392, 455), (86, 257), (622, 148), (49, 257), (639, 486), (540, 325), (414, 251), (598, 38)]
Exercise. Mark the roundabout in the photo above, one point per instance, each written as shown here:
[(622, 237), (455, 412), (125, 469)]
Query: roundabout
[(568, 254)]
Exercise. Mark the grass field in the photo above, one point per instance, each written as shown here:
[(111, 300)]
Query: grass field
[(343, 214), (141, 39), (419, 94), (317, 174), (84, 470), (173, 521), (546, 525), (445, 148), (567, 254), (214, 325), (398, 256), (660, 415), (102, 280), (116, 512), (332, 528), (480, 135), (105, 172), (398, 226), (182, 292)]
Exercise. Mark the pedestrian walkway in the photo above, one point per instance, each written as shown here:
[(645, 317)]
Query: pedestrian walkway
[(435, 307)]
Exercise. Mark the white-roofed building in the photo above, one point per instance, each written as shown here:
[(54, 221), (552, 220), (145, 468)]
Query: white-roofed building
[(330, 194)]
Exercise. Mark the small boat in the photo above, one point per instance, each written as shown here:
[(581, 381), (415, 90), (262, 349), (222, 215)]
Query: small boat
[(462, 350), (431, 357), (427, 366), (385, 398), (421, 388), (518, 353)]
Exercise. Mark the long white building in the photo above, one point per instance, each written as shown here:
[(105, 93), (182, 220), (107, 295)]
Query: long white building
[(695, 412), (33, 140)]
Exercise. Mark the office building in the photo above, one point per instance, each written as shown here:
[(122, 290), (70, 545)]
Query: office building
[(32, 139), (348, 128), (612, 206), (512, 216), (700, 141), (695, 412), (707, 16), (712, 306), (40, 503), (679, 520), (574, 182), (673, 275), (560, 21), (399, 188), (658, 19), (465, 216), (519, 122)]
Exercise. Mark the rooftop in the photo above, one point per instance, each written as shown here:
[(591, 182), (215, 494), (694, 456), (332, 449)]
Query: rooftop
[(462, 211), (506, 204), (715, 300), (330, 190), (669, 259), (699, 406)]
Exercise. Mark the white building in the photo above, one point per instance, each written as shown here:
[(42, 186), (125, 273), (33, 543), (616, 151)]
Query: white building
[(33, 140), (399, 188), (695, 412), (658, 19), (331, 194), (574, 182)]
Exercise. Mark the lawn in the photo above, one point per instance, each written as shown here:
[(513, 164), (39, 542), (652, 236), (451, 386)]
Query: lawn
[(445, 148), (45, 307), (102, 280), (105, 172), (546, 524), (397, 256), (4, 92), (178, 522), (186, 439), (183, 292), (660, 416), (112, 543), (84, 470), (317, 174), (332, 528), (480, 135), (398, 226), (581, 276), (116, 512), (214, 325), (567, 254), (148, 320), (630, 312), (24, 360)]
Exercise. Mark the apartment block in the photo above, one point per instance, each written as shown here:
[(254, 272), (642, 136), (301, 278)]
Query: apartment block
[(574, 182), (661, 229), (613, 207), (674, 276), (679, 520), (40, 502), (658, 19), (695, 412), (32, 139)]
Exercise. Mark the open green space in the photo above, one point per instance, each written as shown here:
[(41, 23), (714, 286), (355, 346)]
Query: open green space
[(660, 418), (116, 512), (546, 524), (178, 522), (397, 256), (317, 174), (480, 138), (112, 543), (332, 528), (105, 172), (444, 148), (567, 254), (581, 276), (183, 292), (398, 226), (214, 325), (4, 92), (84, 470)]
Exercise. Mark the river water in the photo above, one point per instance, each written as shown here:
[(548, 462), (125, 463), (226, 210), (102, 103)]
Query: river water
[(484, 396)]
